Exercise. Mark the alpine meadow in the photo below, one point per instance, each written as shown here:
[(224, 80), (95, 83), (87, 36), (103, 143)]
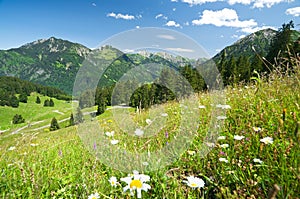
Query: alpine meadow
[(126, 136)]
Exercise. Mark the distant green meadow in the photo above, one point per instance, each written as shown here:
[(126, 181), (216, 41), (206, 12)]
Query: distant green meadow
[(258, 148)]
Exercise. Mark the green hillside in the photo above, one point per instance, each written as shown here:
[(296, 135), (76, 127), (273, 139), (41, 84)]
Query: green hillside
[(242, 163)]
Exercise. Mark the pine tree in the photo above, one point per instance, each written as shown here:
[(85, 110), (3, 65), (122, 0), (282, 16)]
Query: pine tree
[(18, 119), (14, 101), (54, 125), (51, 103), (280, 42), (23, 98), (71, 121), (46, 102), (38, 100)]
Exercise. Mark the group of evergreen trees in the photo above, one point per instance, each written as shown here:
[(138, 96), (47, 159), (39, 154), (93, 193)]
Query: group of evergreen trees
[(10, 87), (49, 102)]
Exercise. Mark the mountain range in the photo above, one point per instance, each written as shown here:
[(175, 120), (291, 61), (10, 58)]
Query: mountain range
[(55, 62)]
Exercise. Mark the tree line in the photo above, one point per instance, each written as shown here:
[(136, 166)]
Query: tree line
[(10, 87)]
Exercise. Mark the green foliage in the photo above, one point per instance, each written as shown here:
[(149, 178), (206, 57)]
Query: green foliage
[(23, 98), (71, 121), (54, 125), (51, 103), (47, 102), (18, 119), (38, 100)]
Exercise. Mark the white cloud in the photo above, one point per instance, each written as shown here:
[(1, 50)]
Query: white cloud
[(242, 36), (139, 16), (198, 2), (183, 50), (174, 0), (137, 27), (234, 36), (255, 3), (186, 23), (121, 16), (245, 2), (161, 16), (226, 17), (173, 23), (94, 4), (258, 3), (249, 30), (293, 11), (168, 37), (174, 9)]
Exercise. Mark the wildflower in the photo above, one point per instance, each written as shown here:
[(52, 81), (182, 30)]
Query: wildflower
[(221, 117), (60, 152), (148, 121), (256, 160), (11, 148), (94, 196), (267, 140), (222, 153), (221, 137), (33, 144), (113, 181), (223, 160), (166, 134), (145, 163), (136, 182), (114, 142), (191, 152), (139, 132), (202, 106), (225, 106), (164, 114), (194, 182), (238, 137), (257, 129), (110, 134), (224, 145), (95, 146)]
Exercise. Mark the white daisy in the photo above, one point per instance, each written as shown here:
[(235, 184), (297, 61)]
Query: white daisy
[(139, 132), (148, 121), (238, 137), (194, 182), (164, 114), (136, 182), (113, 181), (267, 140), (221, 137), (224, 145), (94, 196), (110, 134), (256, 160), (114, 142), (11, 148), (223, 160), (221, 117), (225, 106), (256, 129)]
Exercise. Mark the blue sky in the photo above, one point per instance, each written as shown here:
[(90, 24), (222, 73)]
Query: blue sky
[(214, 24)]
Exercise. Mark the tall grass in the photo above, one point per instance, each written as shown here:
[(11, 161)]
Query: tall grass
[(58, 165)]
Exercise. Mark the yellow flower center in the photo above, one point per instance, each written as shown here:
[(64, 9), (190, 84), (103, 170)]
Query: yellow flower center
[(193, 185), (136, 183), (112, 182)]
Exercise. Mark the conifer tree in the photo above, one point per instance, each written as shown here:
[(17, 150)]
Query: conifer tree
[(54, 125)]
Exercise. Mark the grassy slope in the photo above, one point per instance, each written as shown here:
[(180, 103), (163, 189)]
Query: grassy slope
[(60, 165)]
